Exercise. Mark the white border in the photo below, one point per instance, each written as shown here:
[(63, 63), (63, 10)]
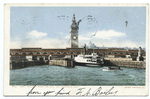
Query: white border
[(23, 89)]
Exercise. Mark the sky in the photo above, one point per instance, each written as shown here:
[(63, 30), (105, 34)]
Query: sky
[(49, 27)]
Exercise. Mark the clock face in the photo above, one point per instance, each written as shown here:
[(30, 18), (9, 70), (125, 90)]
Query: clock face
[(74, 37)]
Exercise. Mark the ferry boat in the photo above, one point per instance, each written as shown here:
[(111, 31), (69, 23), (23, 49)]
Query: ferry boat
[(92, 60)]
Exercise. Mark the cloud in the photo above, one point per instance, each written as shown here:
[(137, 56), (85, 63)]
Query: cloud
[(116, 43), (83, 38), (35, 34), (43, 43), (59, 32), (108, 38), (15, 44), (57, 43), (104, 34), (67, 37), (35, 39), (108, 34)]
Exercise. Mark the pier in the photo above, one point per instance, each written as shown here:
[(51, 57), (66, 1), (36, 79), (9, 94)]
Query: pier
[(20, 58), (124, 62), (23, 64), (65, 63)]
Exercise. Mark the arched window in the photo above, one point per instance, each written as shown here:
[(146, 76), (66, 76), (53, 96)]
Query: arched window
[(31, 53), (16, 53), (78, 52), (44, 53), (51, 53), (64, 53), (58, 52), (23, 53), (37, 53)]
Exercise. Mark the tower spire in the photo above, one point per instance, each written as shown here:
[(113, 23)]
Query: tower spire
[(73, 19)]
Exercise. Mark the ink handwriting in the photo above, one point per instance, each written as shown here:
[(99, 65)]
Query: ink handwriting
[(79, 92)]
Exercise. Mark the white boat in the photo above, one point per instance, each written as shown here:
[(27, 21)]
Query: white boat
[(92, 60)]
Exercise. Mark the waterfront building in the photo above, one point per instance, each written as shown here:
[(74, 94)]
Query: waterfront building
[(44, 54), (32, 54)]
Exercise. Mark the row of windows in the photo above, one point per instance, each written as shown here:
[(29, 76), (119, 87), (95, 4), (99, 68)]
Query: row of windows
[(113, 53), (91, 60), (45, 53), (41, 58), (71, 53)]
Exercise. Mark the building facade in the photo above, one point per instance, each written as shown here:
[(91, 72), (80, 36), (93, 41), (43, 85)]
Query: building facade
[(46, 54)]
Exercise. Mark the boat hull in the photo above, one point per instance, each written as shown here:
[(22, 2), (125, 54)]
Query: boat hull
[(88, 64), (111, 69)]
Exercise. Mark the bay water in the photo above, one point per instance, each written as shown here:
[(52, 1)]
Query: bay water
[(77, 76)]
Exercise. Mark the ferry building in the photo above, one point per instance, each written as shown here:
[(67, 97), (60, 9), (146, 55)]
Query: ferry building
[(45, 54)]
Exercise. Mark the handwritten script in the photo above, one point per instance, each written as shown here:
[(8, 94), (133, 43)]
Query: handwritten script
[(75, 92)]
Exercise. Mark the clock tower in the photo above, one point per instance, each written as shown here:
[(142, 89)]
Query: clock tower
[(74, 32)]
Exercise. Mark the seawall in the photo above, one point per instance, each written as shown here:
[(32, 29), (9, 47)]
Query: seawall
[(65, 63), (23, 64), (124, 62)]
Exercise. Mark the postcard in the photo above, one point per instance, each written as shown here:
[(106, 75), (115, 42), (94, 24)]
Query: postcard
[(76, 50)]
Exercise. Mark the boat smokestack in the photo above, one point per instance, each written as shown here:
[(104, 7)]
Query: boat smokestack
[(84, 49)]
